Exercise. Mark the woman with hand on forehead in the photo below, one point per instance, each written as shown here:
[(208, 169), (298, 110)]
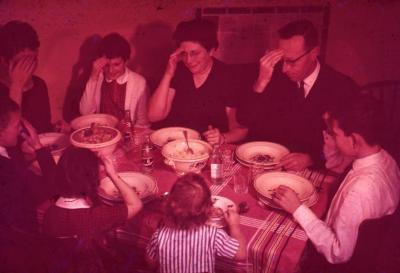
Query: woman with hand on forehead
[(18, 61), (197, 90)]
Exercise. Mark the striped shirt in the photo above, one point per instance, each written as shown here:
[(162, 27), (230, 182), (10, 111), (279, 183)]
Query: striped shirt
[(190, 251)]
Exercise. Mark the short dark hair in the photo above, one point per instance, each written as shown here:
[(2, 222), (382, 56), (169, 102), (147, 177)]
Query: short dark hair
[(188, 203), (360, 114), (7, 106), (301, 27), (77, 173), (16, 36), (197, 30), (114, 45)]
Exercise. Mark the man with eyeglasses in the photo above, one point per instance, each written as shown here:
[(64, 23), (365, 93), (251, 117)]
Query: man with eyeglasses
[(291, 92)]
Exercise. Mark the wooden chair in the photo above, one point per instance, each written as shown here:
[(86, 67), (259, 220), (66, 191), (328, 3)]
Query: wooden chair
[(388, 92)]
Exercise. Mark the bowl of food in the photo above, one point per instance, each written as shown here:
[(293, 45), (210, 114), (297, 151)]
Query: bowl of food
[(102, 139), (177, 156), (98, 119), (165, 135)]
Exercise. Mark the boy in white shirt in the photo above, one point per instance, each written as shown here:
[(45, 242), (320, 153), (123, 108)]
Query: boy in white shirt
[(369, 191)]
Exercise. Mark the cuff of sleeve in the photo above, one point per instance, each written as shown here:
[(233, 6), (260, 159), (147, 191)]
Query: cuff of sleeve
[(304, 216)]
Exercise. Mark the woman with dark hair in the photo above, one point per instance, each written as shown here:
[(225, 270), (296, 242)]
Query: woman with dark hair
[(18, 61), (77, 220), (185, 243), (199, 92), (112, 87)]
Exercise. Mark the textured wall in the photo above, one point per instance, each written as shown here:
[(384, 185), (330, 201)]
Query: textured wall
[(364, 36)]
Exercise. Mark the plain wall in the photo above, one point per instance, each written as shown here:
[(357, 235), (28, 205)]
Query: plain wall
[(363, 41)]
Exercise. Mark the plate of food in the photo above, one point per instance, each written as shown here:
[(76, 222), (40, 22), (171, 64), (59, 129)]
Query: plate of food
[(309, 202), (220, 206), (260, 152), (98, 119), (266, 184), (56, 142), (165, 135), (144, 185)]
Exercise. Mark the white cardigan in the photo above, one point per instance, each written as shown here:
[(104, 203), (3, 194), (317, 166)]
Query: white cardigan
[(135, 97)]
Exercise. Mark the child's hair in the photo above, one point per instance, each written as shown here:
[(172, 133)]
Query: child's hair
[(189, 202), (77, 173), (114, 45), (360, 114)]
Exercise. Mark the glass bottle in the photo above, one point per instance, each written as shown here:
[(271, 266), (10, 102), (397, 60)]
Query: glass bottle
[(216, 166), (126, 128), (147, 154)]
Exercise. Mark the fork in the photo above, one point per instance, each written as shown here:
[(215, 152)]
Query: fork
[(187, 142)]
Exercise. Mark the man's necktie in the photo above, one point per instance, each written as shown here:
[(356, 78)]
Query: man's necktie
[(301, 91)]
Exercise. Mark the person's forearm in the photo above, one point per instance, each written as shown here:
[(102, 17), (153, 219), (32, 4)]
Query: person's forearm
[(158, 104), (128, 194), (260, 85), (16, 92), (87, 103), (236, 233), (234, 135)]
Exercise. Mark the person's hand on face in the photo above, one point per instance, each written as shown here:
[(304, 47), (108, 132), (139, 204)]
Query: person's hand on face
[(286, 198), (295, 162), (98, 66), (173, 61), (212, 135), (268, 62), (30, 135), (21, 70)]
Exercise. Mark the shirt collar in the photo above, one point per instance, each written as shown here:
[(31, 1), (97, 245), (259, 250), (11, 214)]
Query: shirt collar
[(310, 80), (368, 160), (72, 203), (121, 79), (3, 152)]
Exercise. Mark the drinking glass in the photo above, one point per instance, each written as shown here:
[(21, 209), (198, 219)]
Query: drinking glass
[(240, 183)]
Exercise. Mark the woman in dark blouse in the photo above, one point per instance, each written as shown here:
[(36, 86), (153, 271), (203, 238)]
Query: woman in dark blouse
[(198, 93), (18, 61)]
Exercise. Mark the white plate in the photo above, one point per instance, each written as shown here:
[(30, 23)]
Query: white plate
[(309, 202), (270, 167), (100, 119), (248, 152), (224, 204), (57, 142), (144, 185), (266, 183), (165, 135)]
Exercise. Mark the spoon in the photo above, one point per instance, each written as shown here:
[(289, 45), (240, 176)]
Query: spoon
[(187, 142)]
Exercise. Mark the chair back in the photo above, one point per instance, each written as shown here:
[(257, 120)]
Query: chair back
[(388, 92)]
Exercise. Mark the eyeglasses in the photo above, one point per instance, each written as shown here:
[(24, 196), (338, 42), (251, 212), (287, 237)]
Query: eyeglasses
[(293, 62)]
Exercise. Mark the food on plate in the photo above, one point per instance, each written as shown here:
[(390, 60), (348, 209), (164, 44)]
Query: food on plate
[(95, 134), (183, 153), (117, 195), (262, 158), (216, 212)]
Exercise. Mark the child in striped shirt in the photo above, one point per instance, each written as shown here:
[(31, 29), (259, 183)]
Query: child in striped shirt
[(185, 243)]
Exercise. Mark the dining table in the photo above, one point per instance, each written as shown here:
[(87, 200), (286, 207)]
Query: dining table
[(275, 241)]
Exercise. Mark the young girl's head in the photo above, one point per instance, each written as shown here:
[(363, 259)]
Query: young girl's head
[(188, 203), (77, 173)]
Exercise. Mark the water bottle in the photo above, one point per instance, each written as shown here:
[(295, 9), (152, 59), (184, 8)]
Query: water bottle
[(216, 166), (147, 154)]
